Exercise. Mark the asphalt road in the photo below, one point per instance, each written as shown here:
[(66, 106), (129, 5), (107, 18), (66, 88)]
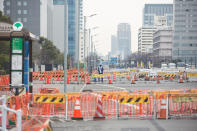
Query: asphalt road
[(126, 125), (123, 85)]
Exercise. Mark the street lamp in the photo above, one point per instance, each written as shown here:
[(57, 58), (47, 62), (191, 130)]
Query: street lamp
[(65, 43), (85, 20)]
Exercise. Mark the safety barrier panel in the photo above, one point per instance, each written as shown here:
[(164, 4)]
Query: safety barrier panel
[(4, 80), (38, 108), (183, 105), (4, 117)]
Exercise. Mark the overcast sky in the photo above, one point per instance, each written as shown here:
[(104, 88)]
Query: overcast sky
[(110, 13)]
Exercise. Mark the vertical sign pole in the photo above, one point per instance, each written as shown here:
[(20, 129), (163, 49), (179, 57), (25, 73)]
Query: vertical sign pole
[(30, 68), (26, 66)]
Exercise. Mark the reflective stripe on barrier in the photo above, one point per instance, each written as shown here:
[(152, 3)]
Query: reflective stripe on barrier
[(134, 99), (40, 98)]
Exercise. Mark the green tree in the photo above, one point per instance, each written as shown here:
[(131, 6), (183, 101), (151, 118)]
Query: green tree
[(48, 54), (5, 19)]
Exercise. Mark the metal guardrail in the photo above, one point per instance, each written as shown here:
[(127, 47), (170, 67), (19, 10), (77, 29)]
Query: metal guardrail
[(4, 110)]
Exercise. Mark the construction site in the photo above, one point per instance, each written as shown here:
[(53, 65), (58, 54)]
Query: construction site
[(112, 96)]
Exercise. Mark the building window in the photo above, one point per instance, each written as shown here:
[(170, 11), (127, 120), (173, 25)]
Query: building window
[(8, 3), (24, 11), (19, 12), (8, 12), (19, 3), (24, 19), (18, 19), (25, 3)]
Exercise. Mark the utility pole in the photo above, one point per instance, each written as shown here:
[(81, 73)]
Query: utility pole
[(65, 43)]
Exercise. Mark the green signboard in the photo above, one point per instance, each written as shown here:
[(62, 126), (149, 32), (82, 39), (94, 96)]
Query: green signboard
[(17, 45)]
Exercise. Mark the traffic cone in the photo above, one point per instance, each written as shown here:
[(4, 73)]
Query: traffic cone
[(68, 80), (171, 78), (135, 77), (99, 111), (77, 111), (158, 80), (88, 80), (154, 78), (47, 79), (114, 77), (128, 77), (133, 81), (181, 79), (110, 82)]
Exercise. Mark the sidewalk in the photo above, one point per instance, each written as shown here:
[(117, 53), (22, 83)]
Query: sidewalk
[(126, 125)]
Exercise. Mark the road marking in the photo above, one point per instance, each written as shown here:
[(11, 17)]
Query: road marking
[(82, 87), (112, 87)]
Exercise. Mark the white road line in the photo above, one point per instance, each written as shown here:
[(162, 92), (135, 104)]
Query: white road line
[(112, 86), (82, 87)]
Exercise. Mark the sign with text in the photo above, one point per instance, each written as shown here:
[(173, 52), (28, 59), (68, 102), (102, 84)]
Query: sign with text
[(113, 60), (17, 45), (17, 61)]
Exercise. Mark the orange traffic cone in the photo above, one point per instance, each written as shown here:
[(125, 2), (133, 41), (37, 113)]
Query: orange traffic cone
[(171, 78), (68, 80), (99, 111), (114, 77), (88, 80), (158, 80), (77, 111), (128, 77), (133, 81), (135, 77), (181, 79), (110, 82)]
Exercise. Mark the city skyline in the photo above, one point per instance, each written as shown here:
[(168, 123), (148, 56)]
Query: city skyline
[(108, 17)]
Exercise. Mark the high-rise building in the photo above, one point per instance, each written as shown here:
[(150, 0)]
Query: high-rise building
[(145, 39), (75, 28), (1, 5), (26, 11), (162, 45), (46, 19), (151, 11), (58, 24), (185, 31), (114, 45), (36, 15), (124, 39), (75, 24)]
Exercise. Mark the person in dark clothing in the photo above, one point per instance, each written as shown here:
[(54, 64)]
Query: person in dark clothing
[(100, 70)]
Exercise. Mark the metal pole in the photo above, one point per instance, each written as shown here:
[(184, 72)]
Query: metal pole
[(84, 41), (167, 107), (65, 43), (4, 113), (19, 120), (30, 68), (77, 37)]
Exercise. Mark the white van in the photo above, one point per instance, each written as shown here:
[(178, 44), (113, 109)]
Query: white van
[(172, 65)]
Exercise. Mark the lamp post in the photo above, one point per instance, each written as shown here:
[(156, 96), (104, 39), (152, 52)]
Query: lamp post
[(84, 35), (65, 44)]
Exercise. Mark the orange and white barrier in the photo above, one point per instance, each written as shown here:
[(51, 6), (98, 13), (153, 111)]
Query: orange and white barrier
[(99, 115)]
